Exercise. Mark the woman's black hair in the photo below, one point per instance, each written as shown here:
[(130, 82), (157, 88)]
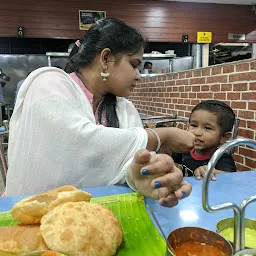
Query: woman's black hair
[(107, 33), (225, 114)]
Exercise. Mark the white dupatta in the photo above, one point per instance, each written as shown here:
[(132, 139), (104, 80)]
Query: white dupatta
[(55, 141)]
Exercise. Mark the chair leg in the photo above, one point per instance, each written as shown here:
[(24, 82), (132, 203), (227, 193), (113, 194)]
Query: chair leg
[(4, 164)]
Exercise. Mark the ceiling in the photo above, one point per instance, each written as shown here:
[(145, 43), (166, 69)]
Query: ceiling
[(246, 2)]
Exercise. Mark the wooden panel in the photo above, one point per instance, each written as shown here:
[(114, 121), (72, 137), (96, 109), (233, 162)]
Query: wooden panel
[(160, 21)]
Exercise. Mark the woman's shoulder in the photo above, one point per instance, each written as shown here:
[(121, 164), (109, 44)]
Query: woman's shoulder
[(122, 100)]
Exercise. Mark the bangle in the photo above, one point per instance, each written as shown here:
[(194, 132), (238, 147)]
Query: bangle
[(157, 138), (128, 180)]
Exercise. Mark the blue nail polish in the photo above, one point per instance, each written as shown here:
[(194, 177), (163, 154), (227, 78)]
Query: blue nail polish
[(144, 172), (157, 184), (164, 203), (184, 195)]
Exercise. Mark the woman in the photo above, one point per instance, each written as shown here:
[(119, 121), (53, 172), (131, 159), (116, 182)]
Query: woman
[(79, 129)]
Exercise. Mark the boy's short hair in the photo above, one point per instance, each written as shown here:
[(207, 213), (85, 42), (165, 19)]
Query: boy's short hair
[(224, 113)]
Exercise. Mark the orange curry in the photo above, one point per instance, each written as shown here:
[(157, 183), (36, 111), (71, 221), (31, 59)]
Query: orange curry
[(192, 248)]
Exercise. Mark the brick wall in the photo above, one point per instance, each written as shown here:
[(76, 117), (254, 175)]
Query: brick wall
[(233, 83)]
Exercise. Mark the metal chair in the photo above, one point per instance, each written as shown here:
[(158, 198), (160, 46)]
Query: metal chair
[(3, 150)]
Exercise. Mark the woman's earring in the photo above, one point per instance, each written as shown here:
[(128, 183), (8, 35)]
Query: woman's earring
[(104, 75)]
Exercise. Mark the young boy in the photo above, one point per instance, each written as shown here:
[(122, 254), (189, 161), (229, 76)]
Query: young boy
[(211, 122)]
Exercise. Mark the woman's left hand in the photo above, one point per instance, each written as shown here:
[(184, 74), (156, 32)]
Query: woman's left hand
[(156, 176)]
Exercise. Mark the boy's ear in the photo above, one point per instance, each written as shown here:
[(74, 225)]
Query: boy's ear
[(225, 137)]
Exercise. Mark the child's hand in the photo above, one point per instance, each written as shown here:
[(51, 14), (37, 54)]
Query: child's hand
[(200, 171)]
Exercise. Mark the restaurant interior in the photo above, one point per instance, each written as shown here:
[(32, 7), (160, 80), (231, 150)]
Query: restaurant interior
[(196, 50)]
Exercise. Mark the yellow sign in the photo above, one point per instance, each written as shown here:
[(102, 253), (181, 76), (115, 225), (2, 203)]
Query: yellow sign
[(204, 37)]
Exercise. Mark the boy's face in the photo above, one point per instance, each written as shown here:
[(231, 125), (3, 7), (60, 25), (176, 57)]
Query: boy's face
[(203, 124)]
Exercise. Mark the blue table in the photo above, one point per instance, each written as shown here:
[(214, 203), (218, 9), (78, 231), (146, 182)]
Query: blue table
[(232, 187)]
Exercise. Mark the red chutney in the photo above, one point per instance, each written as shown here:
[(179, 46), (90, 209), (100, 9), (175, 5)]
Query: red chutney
[(197, 249)]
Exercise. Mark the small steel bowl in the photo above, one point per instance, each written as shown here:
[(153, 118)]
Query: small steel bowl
[(247, 252), (229, 223), (201, 235)]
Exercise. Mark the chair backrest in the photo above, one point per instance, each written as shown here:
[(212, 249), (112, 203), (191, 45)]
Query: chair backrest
[(3, 155), (234, 133), (235, 129)]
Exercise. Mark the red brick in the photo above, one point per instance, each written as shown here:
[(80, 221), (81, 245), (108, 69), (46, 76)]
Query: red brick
[(195, 88), (197, 73), (181, 88), (219, 96), (206, 72), (200, 80), (251, 105), (182, 82), (245, 114), (228, 68), (194, 102), (184, 95), (247, 76), (238, 104), (182, 75), (251, 163), (249, 95), (240, 87), (188, 88), (215, 87), (169, 76), (247, 152), (169, 89), (216, 71), (226, 87), (170, 83), (236, 150), (187, 102), (242, 67), (170, 106), (189, 74), (192, 95), (189, 108), (238, 158), (252, 86), (217, 79), (159, 84), (233, 96), (180, 101), (201, 95), (242, 168), (242, 123), (175, 88), (246, 133), (180, 107), (174, 94), (175, 76), (251, 125), (169, 100), (205, 87), (253, 65)]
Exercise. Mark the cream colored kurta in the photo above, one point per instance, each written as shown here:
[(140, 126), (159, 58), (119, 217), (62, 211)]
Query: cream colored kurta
[(55, 141)]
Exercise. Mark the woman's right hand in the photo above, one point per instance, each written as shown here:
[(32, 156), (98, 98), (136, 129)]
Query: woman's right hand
[(178, 140), (172, 139)]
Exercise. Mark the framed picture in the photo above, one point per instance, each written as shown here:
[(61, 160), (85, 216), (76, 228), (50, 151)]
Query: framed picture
[(88, 17)]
